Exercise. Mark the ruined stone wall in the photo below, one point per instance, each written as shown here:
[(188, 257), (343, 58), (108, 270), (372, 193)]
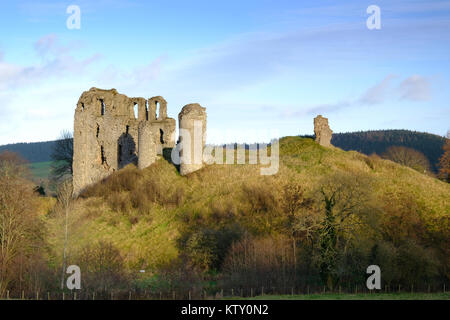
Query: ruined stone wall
[(192, 122), (322, 131), (107, 136)]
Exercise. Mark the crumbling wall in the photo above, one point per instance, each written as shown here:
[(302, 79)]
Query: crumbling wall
[(192, 124), (322, 131), (106, 134)]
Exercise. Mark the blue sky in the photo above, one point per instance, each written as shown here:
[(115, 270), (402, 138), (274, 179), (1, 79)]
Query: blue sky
[(261, 68)]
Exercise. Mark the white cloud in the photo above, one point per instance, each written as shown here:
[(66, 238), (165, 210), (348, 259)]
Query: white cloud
[(378, 93), (415, 88)]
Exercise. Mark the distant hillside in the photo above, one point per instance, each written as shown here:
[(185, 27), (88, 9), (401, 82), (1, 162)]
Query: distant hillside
[(368, 142), (33, 152)]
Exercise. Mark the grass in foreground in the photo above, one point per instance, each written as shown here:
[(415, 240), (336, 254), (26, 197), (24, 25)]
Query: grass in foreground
[(359, 296)]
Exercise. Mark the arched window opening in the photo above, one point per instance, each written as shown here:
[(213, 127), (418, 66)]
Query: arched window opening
[(156, 109), (103, 109), (136, 110)]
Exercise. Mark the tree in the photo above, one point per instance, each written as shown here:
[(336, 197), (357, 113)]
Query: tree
[(21, 229), (62, 157), (408, 157), (444, 161), (345, 200), (65, 193), (295, 205)]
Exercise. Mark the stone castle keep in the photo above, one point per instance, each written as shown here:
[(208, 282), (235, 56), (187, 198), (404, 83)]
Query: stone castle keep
[(112, 130)]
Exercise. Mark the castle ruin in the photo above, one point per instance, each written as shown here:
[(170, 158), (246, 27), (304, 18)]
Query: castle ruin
[(322, 131), (112, 130)]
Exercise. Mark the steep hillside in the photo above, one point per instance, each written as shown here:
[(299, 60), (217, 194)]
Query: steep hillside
[(155, 215)]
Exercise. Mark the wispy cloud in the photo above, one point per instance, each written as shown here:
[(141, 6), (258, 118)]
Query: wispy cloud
[(56, 60), (415, 88), (378, 93)]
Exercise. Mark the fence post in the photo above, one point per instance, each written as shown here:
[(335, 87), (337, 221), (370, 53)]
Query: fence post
[(75, 295), (129, 295), (23, 295), (262, 291), (7, 294), (63, 296), (308, 289), (292, 291), (160, 295), (173, 295), (112, 295), (37, 295), (48, 295), (232, 292), (399, 288), (93, 295), (356, 289)]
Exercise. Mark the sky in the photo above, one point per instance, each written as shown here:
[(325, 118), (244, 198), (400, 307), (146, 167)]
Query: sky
[(263, 69)]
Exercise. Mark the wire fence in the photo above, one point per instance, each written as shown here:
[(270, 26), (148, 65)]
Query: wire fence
[(211, 294)]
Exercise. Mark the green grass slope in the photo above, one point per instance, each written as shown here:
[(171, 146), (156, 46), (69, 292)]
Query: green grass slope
[(144, 213)]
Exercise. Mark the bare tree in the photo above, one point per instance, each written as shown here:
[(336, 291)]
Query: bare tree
[(62, 157), (408, 157), (64, 205), (20, 227)]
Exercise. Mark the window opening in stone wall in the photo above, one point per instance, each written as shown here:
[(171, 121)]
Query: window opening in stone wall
[(127, 130), (136, 110), (156, 109), (102, 103), (161, 136), (120, 153), (146, 110), (103, 155), (98, 131)]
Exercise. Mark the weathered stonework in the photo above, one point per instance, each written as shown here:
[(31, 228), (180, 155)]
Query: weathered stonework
[(112, 130), (322, 131), (192, 125)]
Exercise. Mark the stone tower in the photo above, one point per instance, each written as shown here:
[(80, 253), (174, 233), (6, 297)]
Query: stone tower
[(112, 130), (322, 131), (192, 125)]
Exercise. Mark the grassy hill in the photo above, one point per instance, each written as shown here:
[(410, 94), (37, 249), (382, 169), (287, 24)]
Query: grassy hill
[(155, 217)]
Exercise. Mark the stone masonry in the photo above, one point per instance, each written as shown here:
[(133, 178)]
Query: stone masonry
[(322, 131), (192, 122), (112, 130)]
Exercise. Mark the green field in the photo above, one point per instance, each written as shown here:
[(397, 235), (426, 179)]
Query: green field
[(40, 170), (360, 296)]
